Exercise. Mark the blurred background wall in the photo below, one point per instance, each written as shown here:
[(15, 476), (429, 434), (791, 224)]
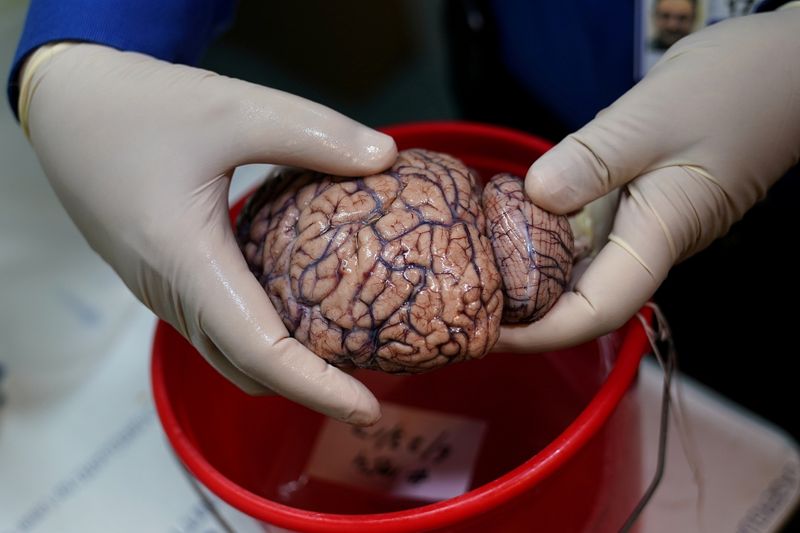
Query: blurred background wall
[(412, 61), (60, 305), (393, 69)]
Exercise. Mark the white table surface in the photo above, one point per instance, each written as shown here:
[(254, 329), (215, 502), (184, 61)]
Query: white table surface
[(95, 459), (83, 451)]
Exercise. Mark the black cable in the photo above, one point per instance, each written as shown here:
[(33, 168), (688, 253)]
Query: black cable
[(661, 341)]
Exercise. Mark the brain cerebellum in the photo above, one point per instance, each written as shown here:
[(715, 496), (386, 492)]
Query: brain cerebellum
[(533, 249)]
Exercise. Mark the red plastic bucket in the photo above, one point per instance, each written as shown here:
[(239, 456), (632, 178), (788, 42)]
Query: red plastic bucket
[(560, 451)]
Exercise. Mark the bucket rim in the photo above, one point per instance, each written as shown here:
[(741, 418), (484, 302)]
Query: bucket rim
[(446, 512), (439, 514)]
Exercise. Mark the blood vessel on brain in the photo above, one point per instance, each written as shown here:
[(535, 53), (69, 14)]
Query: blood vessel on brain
[(407, 270)]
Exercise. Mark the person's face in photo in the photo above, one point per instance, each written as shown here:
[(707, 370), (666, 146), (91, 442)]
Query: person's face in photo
[(673, 19)]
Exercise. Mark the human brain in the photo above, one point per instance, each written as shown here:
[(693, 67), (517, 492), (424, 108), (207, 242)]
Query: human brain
[(401, 271)]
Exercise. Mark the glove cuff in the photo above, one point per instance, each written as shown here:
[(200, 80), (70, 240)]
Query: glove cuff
[(176, 31), (27, 86)]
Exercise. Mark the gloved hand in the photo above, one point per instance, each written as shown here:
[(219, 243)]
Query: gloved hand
[(693, 146), (140, 153)]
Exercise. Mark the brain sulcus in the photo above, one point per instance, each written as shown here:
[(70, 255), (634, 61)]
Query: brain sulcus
[(404, 271)]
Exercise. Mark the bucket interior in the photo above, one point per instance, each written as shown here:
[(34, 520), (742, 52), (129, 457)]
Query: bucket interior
[(266, 450), (264, 444)]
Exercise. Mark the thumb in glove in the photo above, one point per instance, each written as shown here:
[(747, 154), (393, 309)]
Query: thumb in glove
[(692, 147), (140, 153)]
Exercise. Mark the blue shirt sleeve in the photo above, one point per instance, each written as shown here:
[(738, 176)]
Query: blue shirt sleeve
[(769, 5), (174, 30), (574, 57)]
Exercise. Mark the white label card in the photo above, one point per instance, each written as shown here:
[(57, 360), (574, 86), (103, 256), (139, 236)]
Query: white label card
[(412, 453)]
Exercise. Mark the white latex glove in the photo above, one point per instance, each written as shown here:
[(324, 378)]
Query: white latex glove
[(694, 145), (141, 152)]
